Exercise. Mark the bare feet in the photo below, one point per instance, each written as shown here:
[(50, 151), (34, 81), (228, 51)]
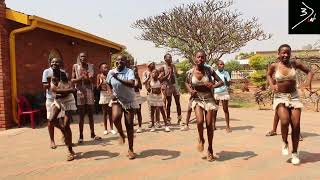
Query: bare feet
[(228, 129), (53, 145), (72, 152), (210, 157), (200, 146), (131, 155), (271, 133), (70, 157)]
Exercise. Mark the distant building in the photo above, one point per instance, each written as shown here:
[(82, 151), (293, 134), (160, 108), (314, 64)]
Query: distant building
[(294, 53)]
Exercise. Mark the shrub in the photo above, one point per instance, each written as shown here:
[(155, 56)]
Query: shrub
[(182, 68), (258, 78), (233, 65)]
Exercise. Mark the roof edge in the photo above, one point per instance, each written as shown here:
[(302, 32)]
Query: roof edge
[(61, 29)]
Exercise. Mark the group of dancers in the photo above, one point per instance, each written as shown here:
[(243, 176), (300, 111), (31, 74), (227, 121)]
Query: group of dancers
[(120, 96)]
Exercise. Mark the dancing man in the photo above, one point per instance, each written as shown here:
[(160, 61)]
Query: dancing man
[(122, 81)]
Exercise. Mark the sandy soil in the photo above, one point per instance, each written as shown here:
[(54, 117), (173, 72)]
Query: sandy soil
[(243, 154)]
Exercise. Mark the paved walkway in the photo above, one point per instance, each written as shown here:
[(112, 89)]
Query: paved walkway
[(243, 154)]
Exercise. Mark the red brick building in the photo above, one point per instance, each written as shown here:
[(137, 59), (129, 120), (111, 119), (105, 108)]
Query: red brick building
[(25, 44)]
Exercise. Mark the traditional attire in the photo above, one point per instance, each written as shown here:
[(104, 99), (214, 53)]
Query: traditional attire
[(202, 99), (290, 100), (155, 99), (85, 90), (105, 95), (139, 99), (170, 85)]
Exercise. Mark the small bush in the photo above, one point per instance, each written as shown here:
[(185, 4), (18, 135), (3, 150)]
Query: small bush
[(182, 68), (258, 78)]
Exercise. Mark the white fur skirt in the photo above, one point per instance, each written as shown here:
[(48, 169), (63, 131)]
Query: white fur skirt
[(155, 100), (290, 100), (57, 103), (69, 103), (105, 97), (139, 98), (207, 104), (222, 96)]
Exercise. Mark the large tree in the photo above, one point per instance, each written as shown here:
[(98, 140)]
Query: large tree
[(210, 25)]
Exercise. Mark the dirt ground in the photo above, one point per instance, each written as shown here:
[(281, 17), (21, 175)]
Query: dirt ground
[(245, 153)]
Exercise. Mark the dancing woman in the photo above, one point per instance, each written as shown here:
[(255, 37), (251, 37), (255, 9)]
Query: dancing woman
[(55, 65), (200, 84), (286, 99), (155, 100), (122, 80), (139, 99), (105, 97), (62, 92)]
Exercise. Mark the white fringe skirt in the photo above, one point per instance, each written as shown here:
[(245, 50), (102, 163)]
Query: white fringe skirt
[(222, 96), (155, 100), (139, 98), (290, 100), (207, 104), (105, 97)]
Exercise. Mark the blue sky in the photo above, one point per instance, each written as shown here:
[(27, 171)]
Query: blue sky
[(113, 19)]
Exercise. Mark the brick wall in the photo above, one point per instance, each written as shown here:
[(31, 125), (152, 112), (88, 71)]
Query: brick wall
[(5, 95), (32, 50)]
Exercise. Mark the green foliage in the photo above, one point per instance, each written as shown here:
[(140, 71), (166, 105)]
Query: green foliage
[(259, 78), (258, 62), (233, 65), (182, 68)]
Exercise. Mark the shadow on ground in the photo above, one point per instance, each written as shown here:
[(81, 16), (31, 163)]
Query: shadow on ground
[(307, 134), (97, 155), (168, 154), (102, 142), (223, 119), (308, 157), (228, 155), (237, 128)]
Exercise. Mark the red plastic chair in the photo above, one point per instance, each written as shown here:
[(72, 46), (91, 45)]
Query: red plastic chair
[(24, 109)]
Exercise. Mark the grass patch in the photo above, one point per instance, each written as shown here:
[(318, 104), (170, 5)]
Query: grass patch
[(238, 102)]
